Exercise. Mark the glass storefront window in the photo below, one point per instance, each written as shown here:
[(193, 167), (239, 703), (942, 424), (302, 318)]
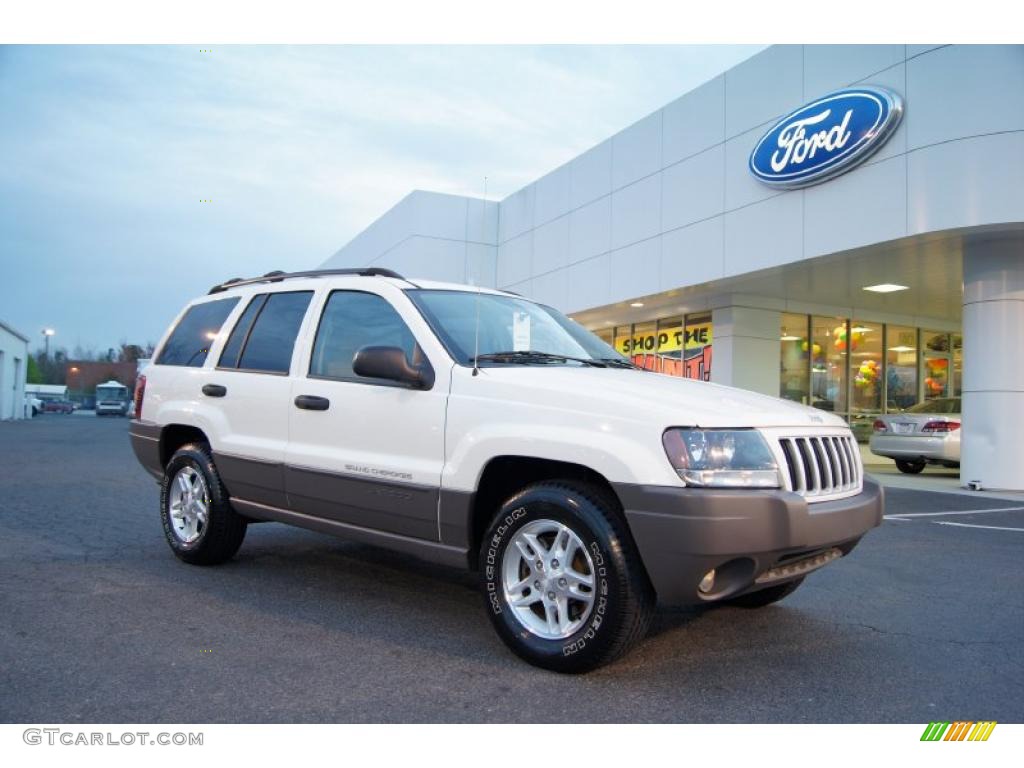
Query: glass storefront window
[(797, 354), (624, 339), (958, 364), (936, 358), (900, 368), (828, 372), (697, 347), (607, 335), (865, 355)]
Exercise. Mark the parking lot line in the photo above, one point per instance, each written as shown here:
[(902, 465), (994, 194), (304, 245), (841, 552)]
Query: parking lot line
[(908, 515), (968, 525)]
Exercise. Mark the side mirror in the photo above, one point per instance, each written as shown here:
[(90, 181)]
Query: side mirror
[(390, 363)]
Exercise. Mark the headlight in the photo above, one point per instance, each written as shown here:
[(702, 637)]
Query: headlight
[(722, 458)]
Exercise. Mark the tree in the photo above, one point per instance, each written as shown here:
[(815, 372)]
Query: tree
[(33, 372)]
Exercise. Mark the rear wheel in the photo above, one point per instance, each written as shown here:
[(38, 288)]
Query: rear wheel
[(562, 579), (910, 467), (199, 523), (765, 596)]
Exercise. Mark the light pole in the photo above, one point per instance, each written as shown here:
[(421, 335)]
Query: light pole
[(47, 333)]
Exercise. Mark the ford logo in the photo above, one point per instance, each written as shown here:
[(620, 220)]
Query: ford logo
[(827, 137)]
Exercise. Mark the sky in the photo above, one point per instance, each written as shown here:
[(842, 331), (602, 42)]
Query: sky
[(108, 155)]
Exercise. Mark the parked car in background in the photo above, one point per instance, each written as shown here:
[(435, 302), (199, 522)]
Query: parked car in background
[(33, 406), (927, 433), (112, 399), (58, 406)]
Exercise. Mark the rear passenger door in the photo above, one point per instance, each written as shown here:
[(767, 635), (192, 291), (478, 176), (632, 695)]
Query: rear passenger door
[(373, 456), (251, 386)]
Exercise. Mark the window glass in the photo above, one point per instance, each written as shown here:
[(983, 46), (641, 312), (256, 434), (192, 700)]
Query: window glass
[(900, 367), (229, 357), (865, 356), (958, 364), (352, 320), (272, 339), (828, 372), (624, 340), (190, 341), (697, 347), (607, 335), (797, 353), (936, 349), (644, 344), (670, 346), (496, 323)]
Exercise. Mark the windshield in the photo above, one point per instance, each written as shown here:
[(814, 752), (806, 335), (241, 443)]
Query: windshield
[(110, 393), (508, 324)]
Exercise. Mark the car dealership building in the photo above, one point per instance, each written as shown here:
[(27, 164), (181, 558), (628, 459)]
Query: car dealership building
[(859, 251)]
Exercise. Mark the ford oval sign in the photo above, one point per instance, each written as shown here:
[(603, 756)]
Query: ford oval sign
[(827, 137)]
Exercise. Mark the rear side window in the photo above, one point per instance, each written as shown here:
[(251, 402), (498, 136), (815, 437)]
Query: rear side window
[(352, 320), (272, 338), (189, 342), (233, 349)]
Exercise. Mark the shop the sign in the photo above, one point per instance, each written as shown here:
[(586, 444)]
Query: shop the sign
[(827, 137)]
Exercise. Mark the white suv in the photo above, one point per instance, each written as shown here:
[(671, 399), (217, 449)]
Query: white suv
[(479, 429)]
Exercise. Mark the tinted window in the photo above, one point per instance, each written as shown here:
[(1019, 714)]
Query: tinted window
[(351, 321), (190, 341), (232, 350), (272, 338)]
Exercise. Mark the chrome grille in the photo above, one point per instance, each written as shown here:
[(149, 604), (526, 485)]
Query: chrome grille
[(821, 465)]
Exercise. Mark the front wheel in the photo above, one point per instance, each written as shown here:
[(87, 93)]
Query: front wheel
[(199, 523), (910, 467), (563, 582)]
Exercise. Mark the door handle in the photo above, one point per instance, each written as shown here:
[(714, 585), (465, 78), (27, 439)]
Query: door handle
[(214, 390), (312, 403)]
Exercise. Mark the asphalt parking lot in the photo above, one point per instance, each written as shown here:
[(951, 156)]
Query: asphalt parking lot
[(100, 623)]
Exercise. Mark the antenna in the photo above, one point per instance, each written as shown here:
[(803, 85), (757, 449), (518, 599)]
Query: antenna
[(476, 333)]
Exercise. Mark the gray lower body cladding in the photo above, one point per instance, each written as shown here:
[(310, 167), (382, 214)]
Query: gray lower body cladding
[(145, 439), (682, 533)]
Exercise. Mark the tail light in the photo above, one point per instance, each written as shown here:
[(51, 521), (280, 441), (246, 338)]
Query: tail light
[(140, 393), (938, 427), (879, 426)]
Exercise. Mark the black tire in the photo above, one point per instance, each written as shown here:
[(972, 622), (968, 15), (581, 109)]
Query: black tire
[(765, 596), (910, 467), (222, 535), (623, 597)]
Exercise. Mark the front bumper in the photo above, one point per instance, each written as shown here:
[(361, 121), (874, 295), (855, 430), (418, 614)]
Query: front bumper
[(682, 533)]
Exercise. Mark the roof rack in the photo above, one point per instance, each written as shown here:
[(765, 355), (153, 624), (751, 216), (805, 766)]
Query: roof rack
[(277, 276)]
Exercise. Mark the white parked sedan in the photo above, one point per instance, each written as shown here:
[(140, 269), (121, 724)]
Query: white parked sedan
[(927, 433)]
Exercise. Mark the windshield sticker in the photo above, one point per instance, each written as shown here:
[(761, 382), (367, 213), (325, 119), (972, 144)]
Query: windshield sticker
[(520, 331)]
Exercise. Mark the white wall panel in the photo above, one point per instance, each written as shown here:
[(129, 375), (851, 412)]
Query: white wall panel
[(551, 288), (516, 214), (590, 174), (515, 260), (763, 88), (832, 224), (553, 195), (589, 283), (966, 183), (763, 235), (830, 67), (694, 122), (693, 189), (636, 211), (551, 244), (636, 151), (635, 270), (964, 90), (692, 255), (590, 229)]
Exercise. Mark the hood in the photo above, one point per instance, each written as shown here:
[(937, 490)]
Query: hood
[(669, 400)]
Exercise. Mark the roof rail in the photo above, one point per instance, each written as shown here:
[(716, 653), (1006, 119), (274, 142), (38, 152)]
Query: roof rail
[(277, 276)]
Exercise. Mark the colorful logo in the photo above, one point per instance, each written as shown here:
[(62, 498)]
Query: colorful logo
[(826, 137), (961, 730)]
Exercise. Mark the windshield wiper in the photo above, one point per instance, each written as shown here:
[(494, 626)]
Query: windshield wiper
[(526, 356), (619, 362)]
